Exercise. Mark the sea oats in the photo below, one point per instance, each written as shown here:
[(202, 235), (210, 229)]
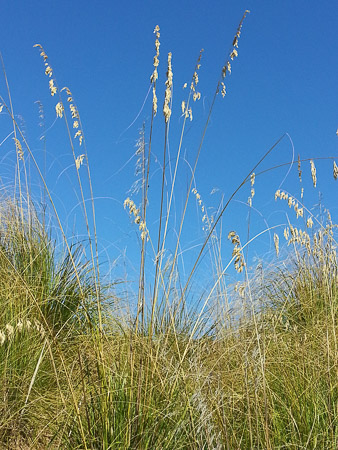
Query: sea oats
[(313, 173), (236, 253), (286, 233), (154, 75), (335, 170), (79, 161), (59, 110), (1, 107), (309, 222), (276, 241), (154, 101), (52, 88), (76, 124), (233, 54), (2, 337), (185, 85), (79, 135), (74, 111), (48, 71), (190, 113), (223, 90), (167, 94), (18, 147)]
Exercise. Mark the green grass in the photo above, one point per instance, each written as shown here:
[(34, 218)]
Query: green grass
[(254, 369)]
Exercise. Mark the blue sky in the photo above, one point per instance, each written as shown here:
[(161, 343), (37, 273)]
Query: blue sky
[(283, 81)]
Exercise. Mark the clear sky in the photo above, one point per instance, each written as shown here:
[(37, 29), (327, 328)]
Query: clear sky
[(283, 81)]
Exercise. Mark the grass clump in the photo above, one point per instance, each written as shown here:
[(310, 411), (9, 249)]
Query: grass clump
[(252, 369)]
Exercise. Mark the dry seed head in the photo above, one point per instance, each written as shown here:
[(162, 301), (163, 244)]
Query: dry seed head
[(18, 147), (286, 233), (233, 54), (335, 170), (223, 90), (52, 88), (59, 110), (276, 241), (309, 222), (2, 338), (252, 178), (167, 94), (154, 75), (190, 113), (79, 161), (154, 101), (79, 135), (237, 254), (48, 71), (313, 173)]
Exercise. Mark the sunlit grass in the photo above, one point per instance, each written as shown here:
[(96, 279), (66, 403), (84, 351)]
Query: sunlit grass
[(250, 367)]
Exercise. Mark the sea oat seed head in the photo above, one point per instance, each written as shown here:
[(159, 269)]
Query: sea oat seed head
[(309, 222), (335, 170), (59, 110), (53, 89), (154, 101), (233, 54), (2, 338), (313, 173), (223, 90), (79, 161), (276, 241), (18, 147), (190, 113), (167, 94), (286, 233)]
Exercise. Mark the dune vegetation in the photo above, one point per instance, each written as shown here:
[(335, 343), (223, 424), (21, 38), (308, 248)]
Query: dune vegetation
[(254, 367)]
